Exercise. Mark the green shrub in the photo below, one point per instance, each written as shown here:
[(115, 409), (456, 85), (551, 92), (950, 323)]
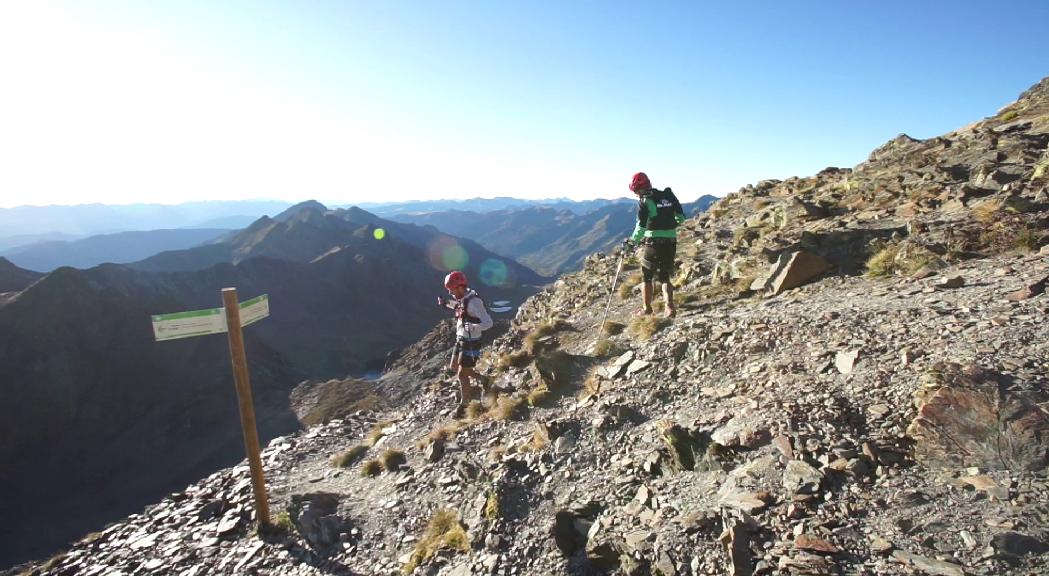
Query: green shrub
[(282, 522)]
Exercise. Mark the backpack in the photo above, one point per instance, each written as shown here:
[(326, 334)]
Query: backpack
[(465, 304)]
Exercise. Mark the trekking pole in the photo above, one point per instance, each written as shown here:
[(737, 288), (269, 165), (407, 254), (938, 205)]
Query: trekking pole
[(615, 279)]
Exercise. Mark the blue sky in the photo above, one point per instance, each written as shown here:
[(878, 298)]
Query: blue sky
[(124, 102)]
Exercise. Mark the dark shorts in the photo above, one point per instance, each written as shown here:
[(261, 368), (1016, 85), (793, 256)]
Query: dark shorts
[(657, 260), (466, 352)]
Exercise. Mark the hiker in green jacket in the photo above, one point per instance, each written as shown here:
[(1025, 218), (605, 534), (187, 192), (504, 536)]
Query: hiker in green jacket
[(658, 215)]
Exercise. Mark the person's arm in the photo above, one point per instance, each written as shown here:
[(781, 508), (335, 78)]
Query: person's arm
[(679, 212), (642, 222), (478, 315)]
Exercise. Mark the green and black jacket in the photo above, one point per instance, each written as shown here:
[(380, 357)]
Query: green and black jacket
[(658, 215)]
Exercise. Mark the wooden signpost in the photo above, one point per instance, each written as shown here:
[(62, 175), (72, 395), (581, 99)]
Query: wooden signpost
[(230, 319)]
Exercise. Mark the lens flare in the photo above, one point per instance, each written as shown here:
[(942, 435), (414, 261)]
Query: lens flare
[(379, 233), (454, 257), (493, 272)]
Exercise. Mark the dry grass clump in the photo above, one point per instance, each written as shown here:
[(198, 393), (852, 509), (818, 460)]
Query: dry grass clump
[(496, 453), (987, 212), (540, 438), (627, 285), (539, 396), (282, 521), (646, 326), (610, 328), (392, 460), (1027, 240), (493, 506), (688, 297), (377, 433), (1041, 168), (442, 434), (592, 385), (512, 359), (349, 457), (604, 348), (444, 532), (1009, 231), (371, 468), (899, 259), (509, 407), (474, 410)]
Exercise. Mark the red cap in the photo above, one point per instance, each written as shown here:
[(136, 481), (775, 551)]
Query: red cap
[(640, 182), (455, 278)]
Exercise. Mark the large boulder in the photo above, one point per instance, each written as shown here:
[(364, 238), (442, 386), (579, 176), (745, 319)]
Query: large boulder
[(971, 416), (792, 270)]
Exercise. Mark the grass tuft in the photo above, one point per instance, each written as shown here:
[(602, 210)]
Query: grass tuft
[(644, 327), (544, 329), (371, 468), (282, 522), (592, 385), (604, 348), (627, 286), (899, 259), (610, 328), (349, 457), (513, 359), (474, 410), (444, 532), (493, 506), (509, 408), (539, 396), (376, 434), (882, 263), (392, 460)]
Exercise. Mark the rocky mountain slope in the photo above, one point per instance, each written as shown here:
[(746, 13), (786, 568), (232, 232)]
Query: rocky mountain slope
[(857, 382), (13, 278), (83, 384)]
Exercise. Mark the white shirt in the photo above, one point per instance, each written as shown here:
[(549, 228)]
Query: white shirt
[(474, 307)]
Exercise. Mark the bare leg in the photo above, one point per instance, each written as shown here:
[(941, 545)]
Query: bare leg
[(466, 388), (646, 297), (668, 299)]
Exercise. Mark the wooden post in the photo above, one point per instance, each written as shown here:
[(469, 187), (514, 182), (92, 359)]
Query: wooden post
[(247, 406)]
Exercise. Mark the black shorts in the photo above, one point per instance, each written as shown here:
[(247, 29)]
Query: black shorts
[(657, 259), (466, 352)]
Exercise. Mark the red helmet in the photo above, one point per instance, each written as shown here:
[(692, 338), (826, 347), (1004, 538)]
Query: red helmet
[(455, 279), (640, 182)]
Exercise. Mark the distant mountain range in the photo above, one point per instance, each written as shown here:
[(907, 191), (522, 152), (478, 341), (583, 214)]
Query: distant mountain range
[(98, 418), (499, 203), (118, 248), (549, 240), (89, 219)]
